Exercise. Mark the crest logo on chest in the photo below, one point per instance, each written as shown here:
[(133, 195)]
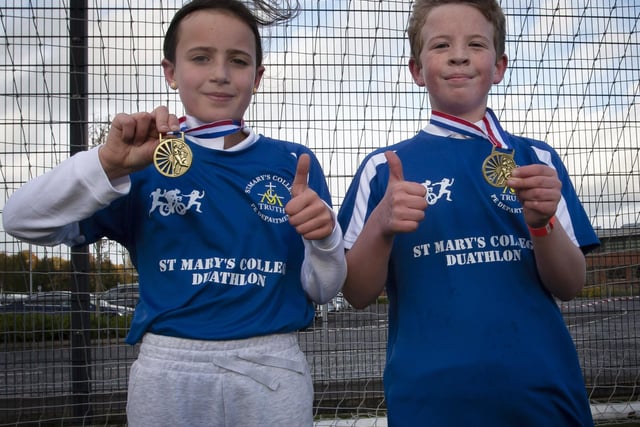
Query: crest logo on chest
[(269, 194)]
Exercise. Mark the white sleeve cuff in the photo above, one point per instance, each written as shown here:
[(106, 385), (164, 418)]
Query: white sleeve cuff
[(324, 268)]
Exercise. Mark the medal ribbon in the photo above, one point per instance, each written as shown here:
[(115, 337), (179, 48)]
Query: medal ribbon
[(173, 157), (493, 133), (211, 130)]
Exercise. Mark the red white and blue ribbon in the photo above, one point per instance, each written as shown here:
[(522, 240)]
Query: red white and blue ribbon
[(492, 131), (211, 130)]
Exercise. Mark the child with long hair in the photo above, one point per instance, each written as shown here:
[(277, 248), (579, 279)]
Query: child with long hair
[(232, 233)]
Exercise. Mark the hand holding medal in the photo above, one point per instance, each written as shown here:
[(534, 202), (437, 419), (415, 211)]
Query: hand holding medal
[(538, 188), (172, 157), (497, 168), (131, 140)]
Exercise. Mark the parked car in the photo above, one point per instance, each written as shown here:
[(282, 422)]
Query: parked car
[(60, 302), (104, 306), (338, 303), (9, 297), (122, 295)]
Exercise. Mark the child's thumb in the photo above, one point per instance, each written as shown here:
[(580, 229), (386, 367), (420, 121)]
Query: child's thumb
[(300, 181), (395, 166)]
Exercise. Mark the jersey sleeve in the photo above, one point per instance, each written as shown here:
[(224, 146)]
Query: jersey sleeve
[(47, 210), (364, 194), (570, 212)]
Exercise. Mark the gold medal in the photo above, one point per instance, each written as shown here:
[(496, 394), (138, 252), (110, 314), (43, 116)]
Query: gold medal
[(172, 157), (497, 167)]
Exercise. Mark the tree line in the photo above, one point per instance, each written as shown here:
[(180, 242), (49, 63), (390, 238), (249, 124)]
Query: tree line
[(25, 272)]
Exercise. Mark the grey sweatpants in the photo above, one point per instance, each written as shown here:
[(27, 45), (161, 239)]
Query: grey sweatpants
[(263, 381)]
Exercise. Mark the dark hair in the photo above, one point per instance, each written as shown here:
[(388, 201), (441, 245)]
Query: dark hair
[(266, 13)]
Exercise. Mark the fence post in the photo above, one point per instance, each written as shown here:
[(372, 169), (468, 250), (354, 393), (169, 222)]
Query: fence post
[(78, 141)]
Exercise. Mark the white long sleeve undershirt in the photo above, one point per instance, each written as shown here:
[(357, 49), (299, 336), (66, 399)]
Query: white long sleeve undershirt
[(47, 210)]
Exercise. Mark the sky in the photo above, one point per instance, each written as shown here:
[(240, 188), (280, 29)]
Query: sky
[(337, 80)]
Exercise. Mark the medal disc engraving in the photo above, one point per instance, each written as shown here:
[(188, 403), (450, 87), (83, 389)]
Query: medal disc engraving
[(497, 168), (172, 157)]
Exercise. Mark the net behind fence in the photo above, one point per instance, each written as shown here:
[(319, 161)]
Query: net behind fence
[(337, 81)]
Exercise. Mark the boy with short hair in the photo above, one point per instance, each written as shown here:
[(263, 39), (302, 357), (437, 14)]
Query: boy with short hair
[(473, 231)]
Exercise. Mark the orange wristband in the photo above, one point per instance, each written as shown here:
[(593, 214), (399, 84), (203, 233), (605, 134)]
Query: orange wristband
[(543, 231)]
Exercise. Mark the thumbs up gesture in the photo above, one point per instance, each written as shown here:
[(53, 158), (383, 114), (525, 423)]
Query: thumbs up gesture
[(403, 205), (308, 213)]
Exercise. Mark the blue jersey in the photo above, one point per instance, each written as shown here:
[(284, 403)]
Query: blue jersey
[(474, 337), (216, 256)]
